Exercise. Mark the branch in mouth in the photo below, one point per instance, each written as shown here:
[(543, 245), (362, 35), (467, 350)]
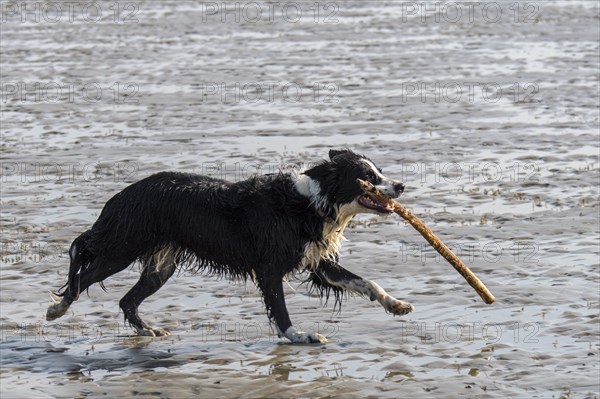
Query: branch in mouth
[(431, 238), (370, 202)]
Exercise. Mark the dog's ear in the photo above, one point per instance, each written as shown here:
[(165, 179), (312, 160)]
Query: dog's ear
[(334, 153)]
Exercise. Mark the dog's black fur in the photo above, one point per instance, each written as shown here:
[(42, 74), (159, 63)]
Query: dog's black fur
[(263, 228)]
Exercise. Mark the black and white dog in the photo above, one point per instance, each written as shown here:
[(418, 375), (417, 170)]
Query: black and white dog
[(263, 228)]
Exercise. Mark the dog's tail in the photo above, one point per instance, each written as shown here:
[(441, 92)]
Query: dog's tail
[(81, 258)]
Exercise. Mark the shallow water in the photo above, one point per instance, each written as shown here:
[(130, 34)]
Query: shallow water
[(510, 184)]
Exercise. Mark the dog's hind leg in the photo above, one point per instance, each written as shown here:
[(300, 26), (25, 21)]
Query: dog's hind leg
[(154, 276), (329, 273), (272, 289), (82, 278)]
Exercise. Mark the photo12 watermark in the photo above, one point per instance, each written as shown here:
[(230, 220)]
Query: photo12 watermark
[(515, 252), (69, 92), (469, 172), (53, 12), (268, 92), (451, 332), (14, 252), (469, 92), (59, 332), (455, 12), (238, 171), (67, 172), (252, 12)]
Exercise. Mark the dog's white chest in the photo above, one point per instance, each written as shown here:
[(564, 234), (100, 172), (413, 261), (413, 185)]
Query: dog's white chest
[(333, 235)]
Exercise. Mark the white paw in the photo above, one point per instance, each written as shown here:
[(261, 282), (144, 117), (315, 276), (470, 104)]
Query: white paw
[(57, 310), (152, 332), (300, 337), (398, 308), (389, 303)]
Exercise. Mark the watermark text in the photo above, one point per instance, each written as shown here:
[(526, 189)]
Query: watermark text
[(52, 12)]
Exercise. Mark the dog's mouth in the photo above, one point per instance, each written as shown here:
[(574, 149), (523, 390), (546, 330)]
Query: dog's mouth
[(369, 202)]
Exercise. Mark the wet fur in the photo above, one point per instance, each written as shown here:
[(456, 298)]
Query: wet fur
[(264, 229)]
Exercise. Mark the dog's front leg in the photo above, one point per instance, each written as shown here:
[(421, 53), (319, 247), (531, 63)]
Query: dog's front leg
[(272, 290), (337, 276)]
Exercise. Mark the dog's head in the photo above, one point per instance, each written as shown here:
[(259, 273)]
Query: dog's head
[(333, 188)]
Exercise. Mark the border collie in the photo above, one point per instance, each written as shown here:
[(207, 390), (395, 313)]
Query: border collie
[(263, 228)]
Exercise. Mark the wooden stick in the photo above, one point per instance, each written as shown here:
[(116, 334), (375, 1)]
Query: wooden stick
[(435, 242)]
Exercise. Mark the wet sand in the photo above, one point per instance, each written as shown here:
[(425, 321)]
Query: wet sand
[(511, 185)]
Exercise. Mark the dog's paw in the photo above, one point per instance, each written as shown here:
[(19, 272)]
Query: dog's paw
[(160, 332), (57, 310), (399, 308), (307, 338), (152, 332), (316, 339), (300, 337)]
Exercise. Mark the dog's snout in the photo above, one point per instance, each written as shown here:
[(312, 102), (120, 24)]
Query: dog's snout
[(391, 187)]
